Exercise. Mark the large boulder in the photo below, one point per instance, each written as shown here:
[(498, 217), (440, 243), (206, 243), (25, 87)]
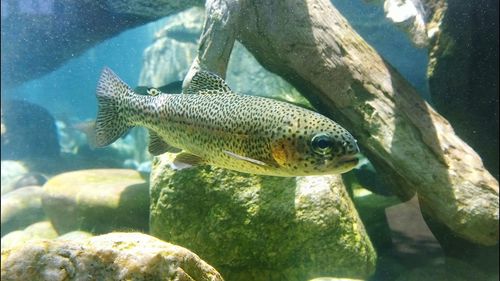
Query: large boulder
[(260, 227), (98, 201), (114, 256), (21, 208)]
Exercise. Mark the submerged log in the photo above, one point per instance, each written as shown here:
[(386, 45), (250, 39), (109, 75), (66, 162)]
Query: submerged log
[(312, 46)]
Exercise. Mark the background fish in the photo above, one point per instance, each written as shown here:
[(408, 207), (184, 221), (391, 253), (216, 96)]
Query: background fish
[(213, 125), (171, 88)]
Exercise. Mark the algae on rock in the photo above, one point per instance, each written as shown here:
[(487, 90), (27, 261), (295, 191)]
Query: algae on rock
[(251, 226)]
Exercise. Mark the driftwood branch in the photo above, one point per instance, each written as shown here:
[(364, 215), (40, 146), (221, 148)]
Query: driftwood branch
[(311, 45)]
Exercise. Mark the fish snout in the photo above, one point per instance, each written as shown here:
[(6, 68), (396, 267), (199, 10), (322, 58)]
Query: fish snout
[(348, 146), (351, 155), (352, 146)]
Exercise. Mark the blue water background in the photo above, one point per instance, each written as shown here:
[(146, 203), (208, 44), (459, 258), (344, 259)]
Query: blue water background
[(69, 92)]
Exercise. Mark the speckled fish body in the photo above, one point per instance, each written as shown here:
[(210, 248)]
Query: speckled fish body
[(213, 125)]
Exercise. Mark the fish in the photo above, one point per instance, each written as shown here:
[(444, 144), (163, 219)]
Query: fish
[(209, 124)]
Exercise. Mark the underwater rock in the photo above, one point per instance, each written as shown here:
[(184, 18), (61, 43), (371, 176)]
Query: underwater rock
[(173, 49), (413, 242), (255, 227), (43, 229), (371, 209), (12, 171), (97, 201), (419, 19), (39, 230), (410, 16), (29, 131), (31, 179), (114, 256), (21, 208), (452, 270), (75, 235), (14, 238), (126, 152), (485, 258)]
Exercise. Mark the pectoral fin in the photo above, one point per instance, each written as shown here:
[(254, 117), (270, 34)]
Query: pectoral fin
[(158, 146), (240, 157)]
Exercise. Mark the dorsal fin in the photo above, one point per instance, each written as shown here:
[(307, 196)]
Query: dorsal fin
[(205, 82)]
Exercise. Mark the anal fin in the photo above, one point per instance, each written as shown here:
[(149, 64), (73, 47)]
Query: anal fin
[(187, 158), (158, 146)]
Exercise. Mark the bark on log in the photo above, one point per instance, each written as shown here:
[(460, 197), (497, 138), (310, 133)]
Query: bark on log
[(311, 45)]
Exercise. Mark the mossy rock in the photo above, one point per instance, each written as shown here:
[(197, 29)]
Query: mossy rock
[(97, 201), (259, 227)]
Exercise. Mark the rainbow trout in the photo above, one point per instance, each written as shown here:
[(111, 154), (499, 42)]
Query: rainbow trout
[(213, 125)]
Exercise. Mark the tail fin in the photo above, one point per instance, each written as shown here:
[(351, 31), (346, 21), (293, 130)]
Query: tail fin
[(111, 96)]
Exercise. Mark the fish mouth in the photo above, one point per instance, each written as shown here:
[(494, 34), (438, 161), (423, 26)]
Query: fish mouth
[(349, 160)]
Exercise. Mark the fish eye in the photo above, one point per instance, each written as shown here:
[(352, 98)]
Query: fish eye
[(322, 144)]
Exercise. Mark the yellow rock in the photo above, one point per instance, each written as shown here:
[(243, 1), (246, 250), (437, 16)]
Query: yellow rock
[(98, 201), (114, 256)]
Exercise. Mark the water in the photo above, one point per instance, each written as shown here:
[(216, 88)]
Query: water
[(380, 221)]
